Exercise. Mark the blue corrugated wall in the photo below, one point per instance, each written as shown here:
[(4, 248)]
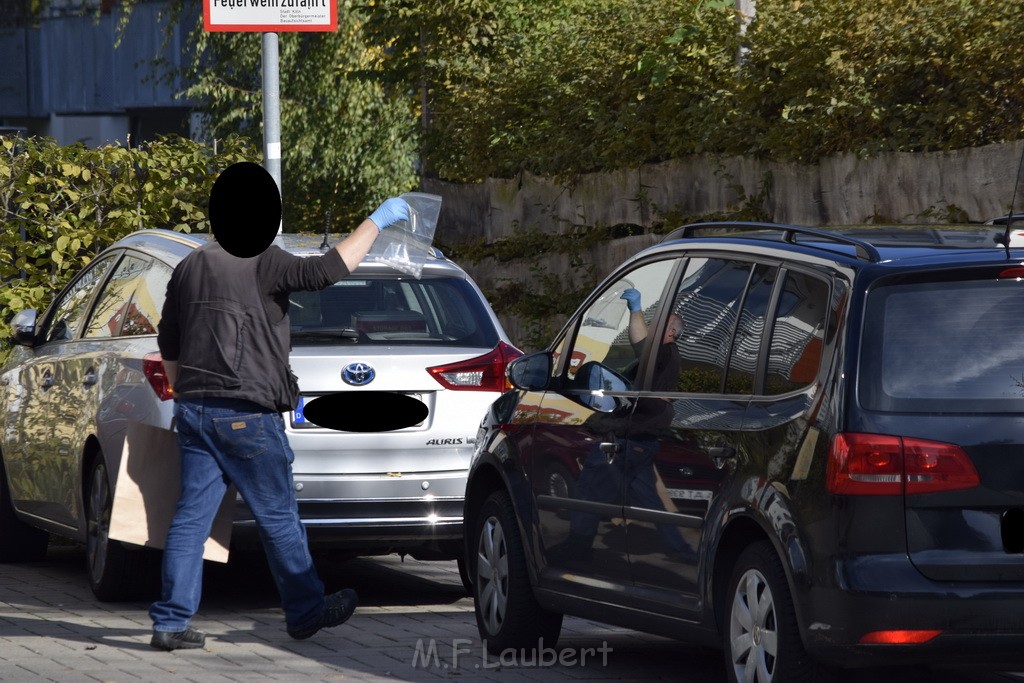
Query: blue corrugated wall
[(74, 65)]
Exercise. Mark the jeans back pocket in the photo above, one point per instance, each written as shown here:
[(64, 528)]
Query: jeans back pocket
[(241, 436)]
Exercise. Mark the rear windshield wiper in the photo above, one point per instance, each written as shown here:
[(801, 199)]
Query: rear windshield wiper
[(325, 333)]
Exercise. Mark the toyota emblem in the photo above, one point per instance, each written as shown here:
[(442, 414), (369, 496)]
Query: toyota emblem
[(358, 374)]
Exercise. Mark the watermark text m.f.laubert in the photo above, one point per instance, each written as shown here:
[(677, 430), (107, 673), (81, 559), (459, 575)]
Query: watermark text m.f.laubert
[(426, 655)]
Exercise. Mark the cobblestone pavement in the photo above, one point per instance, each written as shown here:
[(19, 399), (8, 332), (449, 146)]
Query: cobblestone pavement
[(414, 623)]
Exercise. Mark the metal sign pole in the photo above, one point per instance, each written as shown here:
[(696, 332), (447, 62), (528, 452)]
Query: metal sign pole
[(269, 18), (271, 110)]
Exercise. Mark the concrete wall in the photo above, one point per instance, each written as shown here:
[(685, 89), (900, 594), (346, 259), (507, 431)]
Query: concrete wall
[(977, 183)]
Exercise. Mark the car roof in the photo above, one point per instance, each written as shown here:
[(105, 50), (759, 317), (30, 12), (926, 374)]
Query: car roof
[(174, 246), (859, 244)]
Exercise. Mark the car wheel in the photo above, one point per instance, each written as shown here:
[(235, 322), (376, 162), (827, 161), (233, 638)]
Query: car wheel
[(508, 615), (19, 542), (760, 636), (116, 572), (467, 582)]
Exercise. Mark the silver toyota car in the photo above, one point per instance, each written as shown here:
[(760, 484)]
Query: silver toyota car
[(395, 373)]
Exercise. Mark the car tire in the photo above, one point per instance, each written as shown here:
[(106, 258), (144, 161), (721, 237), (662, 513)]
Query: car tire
[(19, 542), (761, 639), (117, 573), (508, 615), (467, 582)]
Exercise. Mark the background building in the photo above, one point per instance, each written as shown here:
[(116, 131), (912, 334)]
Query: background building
[(70, 75)]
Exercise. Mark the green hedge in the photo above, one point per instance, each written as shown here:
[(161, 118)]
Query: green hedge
[(63, 204), (570, 86)]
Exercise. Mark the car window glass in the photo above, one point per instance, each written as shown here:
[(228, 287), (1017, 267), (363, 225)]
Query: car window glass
[(708, 301), (797, 333), (750, 330), (113, 301), (944, 347), (70, 309), (556, 354), (143, 314), (609, 333), (429, 311)]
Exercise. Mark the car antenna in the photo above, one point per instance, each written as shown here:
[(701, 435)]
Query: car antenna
[(327, 229), (1013, 203)]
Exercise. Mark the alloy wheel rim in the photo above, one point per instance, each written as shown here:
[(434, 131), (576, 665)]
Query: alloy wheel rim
[(492, 575), (98, 523), (753, 633)]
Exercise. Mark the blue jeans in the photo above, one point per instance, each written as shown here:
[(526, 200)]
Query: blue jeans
[(229, 441)]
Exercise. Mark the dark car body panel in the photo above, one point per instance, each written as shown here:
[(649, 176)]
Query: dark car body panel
[(739, 467)]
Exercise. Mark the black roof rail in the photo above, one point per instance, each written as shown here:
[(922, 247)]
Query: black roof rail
[(865, 250)]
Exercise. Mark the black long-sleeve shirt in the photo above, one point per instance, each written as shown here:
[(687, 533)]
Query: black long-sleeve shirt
[(225, 321)]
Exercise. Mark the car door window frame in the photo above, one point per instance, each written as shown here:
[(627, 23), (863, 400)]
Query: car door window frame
[(751, 264), (131, 284), (566, 342), (772, 318), (46, 329), (782, 270)]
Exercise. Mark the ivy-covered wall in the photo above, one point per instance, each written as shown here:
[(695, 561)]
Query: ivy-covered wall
[(537, 245)]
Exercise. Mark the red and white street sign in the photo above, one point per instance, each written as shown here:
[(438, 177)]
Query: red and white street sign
[(270, 16)]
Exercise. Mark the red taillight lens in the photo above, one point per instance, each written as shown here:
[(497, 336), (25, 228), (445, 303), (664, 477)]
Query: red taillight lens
[(931, 466), (899, 637), (865, 464), (881, 465), (484, 373), (153, 369), (1015, 272)]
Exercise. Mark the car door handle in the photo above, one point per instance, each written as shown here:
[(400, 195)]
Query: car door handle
[(721, 455), (47, 379), (90, 378)]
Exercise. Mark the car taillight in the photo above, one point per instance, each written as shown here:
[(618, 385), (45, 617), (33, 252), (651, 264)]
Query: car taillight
[(1013, 272), (153, 369), (881, 465), (484, 373), (899, 637)]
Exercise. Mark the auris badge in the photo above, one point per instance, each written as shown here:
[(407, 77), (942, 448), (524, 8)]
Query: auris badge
[(358, 374)]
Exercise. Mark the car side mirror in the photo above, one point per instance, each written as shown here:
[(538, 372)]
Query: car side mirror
[(531, 372), (23, 327), (592, 380)]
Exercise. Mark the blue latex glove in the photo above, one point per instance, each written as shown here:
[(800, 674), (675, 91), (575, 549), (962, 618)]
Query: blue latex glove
[(390, 212), (632, 298)]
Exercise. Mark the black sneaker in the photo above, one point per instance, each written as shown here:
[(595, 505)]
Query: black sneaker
[(173, 640), (338, 607)]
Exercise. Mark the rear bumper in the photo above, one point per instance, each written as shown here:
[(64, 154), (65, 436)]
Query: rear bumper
[(981, 624), (423, 528)]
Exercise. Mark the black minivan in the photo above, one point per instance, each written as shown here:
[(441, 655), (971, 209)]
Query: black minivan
[(804, 447)]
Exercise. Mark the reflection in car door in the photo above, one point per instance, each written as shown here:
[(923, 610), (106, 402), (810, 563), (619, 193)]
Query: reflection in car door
[(578, 464), (42, 473), (684, 454)]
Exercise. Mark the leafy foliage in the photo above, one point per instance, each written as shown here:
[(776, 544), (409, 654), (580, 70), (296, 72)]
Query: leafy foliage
[(347, 142), (62, 205), (563, 87), (569, 86), (891, 75), (556, 87)]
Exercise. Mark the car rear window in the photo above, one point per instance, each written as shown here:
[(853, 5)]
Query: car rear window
[(944, 347), (429, 311)]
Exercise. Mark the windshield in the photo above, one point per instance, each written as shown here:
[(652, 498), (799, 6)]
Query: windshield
[(431, 311), (944, 347)]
